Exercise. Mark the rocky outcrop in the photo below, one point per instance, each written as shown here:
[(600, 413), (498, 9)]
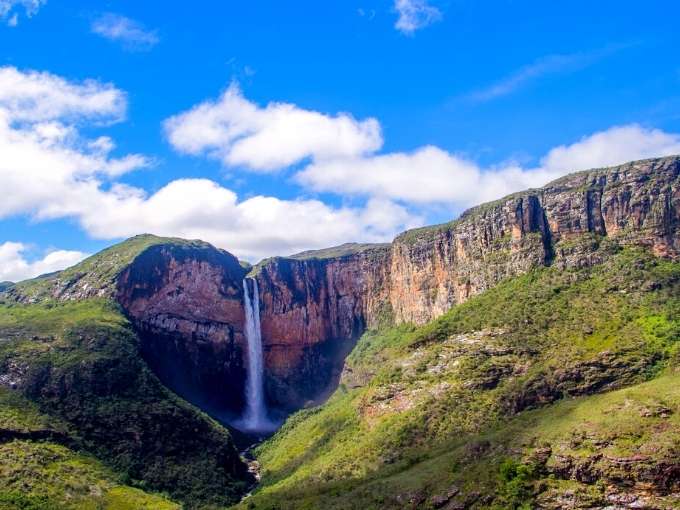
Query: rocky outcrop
[(187, 305), (186, 297), (312, 312), (566, 223)]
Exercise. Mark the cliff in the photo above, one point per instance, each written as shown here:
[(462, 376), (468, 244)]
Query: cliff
[(565, 223), (185, 297), (313, 309), (553, 389), (186, 302), (316, 304), (571, 222)]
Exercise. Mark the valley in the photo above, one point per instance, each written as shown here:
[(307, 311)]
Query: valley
[(524, 355)]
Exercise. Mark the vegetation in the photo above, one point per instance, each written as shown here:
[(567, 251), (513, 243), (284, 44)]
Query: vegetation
[(338, 251), (344, 250), (473, 407), (98, 273), (43, 475), (79, 380)]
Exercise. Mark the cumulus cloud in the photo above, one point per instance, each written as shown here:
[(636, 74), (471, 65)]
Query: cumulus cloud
[(130, 33), (253, 228), (240, 133), (431, 175), (414, 15), (49, 171), (15, 267), (8, 9), (44, 157), (614, 146), (33, 96)]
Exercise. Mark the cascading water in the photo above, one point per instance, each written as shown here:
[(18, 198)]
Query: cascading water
[(255, 415)]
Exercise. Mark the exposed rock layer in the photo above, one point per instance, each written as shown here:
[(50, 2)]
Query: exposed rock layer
[(186, 303), (187, 300), (564, 223), (313, 311)]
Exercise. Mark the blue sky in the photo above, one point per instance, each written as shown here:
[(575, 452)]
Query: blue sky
[(270, 127)]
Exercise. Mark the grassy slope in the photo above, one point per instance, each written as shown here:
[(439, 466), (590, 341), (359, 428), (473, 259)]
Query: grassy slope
[(36, 472), (338, 251), (423, 410), (40, 473), (78, 363), (96, 272), (335, 252)]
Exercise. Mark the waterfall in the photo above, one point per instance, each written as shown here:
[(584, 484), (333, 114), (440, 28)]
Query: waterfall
[(255, 415)]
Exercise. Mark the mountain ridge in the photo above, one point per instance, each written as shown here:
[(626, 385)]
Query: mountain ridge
[(318, 303), (340, 325)]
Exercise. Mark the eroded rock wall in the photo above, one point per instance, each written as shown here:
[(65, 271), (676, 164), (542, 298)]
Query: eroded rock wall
[(564, 223), (312, 313), (188, 302), (187, 305)]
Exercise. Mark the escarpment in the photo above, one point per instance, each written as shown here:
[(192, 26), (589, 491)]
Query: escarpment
[(570, 222), (186, 303), (312, 312), (185, 298)]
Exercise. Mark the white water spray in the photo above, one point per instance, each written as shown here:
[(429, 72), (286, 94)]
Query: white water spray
[(255, 415)]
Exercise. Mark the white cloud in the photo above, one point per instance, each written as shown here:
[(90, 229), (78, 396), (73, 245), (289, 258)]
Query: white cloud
[(432, 176), (8, 9), (15, 267), (253, 228), (614, 146), (48, 170), (132, 34), (239, 132), (424, 176), (44, 157), (30, 96), (414, 15)]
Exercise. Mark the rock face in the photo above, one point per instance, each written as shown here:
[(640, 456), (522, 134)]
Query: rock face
[(568, 222), (186, 304), (312, 313), (313, 310), (186, 300)]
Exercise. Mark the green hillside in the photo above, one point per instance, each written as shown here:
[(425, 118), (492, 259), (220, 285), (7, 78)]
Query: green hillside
[(490, 407), (343, 250), (40, 469), (96, 275), (81, 386)]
